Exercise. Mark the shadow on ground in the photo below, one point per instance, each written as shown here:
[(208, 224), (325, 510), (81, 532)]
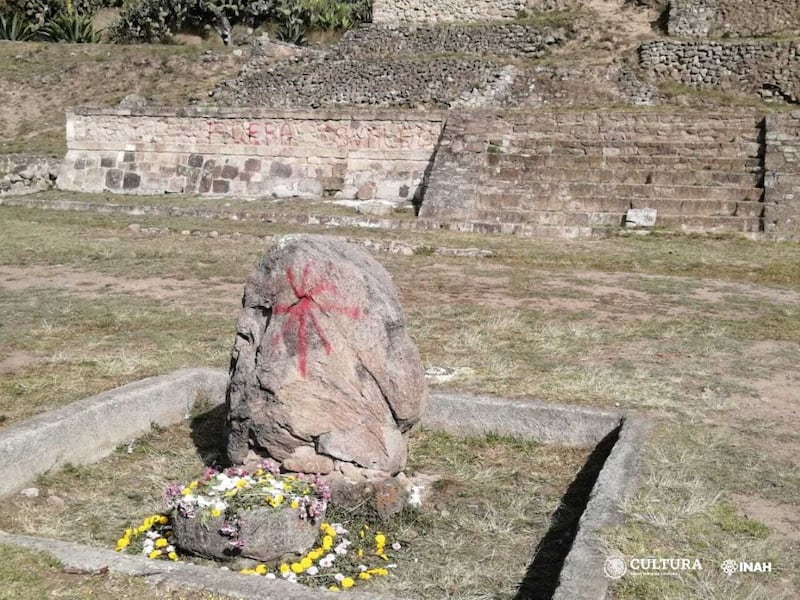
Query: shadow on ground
[(542, 577)]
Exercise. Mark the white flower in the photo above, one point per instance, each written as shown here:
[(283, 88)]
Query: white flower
[(396, 546), (326, 562), (415, 497), (341, 549), (338, 577), (270, 576), (339, 529), (362, 568), (312, 570), (170, 548)]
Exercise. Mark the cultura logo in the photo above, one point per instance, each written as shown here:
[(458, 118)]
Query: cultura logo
[(615, 567)]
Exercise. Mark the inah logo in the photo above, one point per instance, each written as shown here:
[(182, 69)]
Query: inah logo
[(729, 567), (615, 567)]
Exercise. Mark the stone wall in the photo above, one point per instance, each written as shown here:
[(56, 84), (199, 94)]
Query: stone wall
[(782, 174), (498, 39), (249, 152), (735, 18), (771, 69), (27, 173), (398, 11), (329, 81)]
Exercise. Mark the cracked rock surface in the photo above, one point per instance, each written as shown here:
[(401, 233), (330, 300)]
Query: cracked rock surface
[(322, 366)]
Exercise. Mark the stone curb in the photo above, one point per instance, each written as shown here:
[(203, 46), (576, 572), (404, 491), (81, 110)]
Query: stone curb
[(89, 429)]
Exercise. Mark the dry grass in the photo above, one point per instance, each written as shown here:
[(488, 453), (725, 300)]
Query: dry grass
[(700, 333), (493, 493), (62, 75)]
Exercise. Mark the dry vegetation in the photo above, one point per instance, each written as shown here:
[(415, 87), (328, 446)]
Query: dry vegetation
[(700, 334)]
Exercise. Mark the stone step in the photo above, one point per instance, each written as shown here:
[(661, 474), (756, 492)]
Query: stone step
[(710, 163), (608, 148), (558, 218), (591, 204), (478, 123), (712, 208), (507, 221), (705, 224), (520, 229), (710, 136), (621, 175), (572, 190)]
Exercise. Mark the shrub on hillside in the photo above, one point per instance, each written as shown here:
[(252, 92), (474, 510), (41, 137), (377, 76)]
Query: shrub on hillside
[(158, 20), (13, 28), (54, 20), (71, 27)]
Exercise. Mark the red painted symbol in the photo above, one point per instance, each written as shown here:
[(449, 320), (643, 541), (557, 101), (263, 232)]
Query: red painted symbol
[(302, 316)]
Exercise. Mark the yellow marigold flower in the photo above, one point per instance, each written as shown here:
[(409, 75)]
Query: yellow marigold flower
[(215, 512), (230, 493), (173, 555), (327, 542), (261, 569), (380, 540), (186, 491), (242, 483), (122, 543), (247, 571), (315, 554), (163, 520), (333, 588), (382, 555), (297, 568), (348, 582), (306, 562), (128, 533), (193, 484), (295, 504), (364, 575), (141, 529), (161, 543), (154, 554), (378, 571), (284, 568)]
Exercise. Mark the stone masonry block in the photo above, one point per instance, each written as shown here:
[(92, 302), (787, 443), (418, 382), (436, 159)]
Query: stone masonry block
[(114, 179)]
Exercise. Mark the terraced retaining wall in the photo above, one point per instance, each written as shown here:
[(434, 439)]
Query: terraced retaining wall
[(782, 173), (249, 153), (497, 39), (770, 68), (537, 173), (397, 11), (736, 18)]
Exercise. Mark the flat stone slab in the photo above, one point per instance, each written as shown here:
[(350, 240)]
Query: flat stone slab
[(50, 440)]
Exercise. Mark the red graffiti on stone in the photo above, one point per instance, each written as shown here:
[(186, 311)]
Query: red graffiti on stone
[(301, 314)]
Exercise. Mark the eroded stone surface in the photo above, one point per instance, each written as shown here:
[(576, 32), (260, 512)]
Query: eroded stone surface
[(322, 359), (265, 534)]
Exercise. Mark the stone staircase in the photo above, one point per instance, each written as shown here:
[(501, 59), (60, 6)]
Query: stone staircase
[(574, 174)]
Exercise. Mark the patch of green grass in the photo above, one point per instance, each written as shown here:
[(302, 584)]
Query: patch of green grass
[(729, 520), (475, 537), (78, 347), (29, 575)]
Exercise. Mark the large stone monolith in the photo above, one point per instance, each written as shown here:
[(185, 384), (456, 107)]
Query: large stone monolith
[(323, 372)]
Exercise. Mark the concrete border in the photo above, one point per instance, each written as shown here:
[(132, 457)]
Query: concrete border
[(87, 430)]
